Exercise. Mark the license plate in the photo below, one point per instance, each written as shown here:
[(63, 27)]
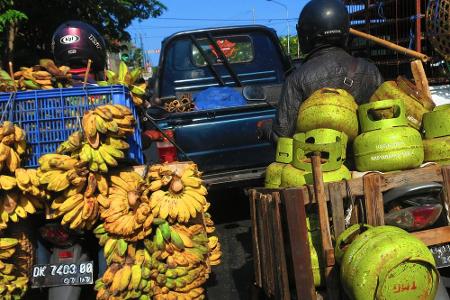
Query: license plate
[(441, 255), (62, 274)]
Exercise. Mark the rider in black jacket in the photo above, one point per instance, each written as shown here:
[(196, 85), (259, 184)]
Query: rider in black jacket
[(323, 29)]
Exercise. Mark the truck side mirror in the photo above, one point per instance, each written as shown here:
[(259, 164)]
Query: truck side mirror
[(254, 93)]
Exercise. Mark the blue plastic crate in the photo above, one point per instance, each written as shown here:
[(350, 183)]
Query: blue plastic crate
[(50, 116)]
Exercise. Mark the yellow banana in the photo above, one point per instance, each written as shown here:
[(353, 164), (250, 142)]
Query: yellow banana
[(20, 211), (115, 152), (21, 147), (102, 184), (7, 243), (71, 202), (111, 161), (126, 277), (13, 160), (100, 124), (7, 182), (26, 204), (22, 176)]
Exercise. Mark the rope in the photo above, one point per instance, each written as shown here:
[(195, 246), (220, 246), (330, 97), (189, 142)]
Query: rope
[(10, 102)]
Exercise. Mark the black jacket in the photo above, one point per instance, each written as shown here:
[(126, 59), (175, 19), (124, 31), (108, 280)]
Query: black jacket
[(328, 67)]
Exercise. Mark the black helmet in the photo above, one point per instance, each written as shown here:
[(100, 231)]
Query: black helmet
[(74, 42), (323, 22)]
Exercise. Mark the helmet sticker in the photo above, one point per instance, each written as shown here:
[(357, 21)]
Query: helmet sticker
[(95, 42), (69, 39)]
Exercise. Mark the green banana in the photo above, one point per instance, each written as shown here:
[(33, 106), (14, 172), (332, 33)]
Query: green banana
[(176, 239), (159, 239), (122, 246), (165, 230)]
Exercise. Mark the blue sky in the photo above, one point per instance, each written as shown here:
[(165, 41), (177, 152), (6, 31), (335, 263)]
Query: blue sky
[(184, 15)]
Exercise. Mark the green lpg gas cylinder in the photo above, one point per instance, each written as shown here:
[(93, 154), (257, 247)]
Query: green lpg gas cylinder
[(329, 108), (282, 158), (387, 144), (437, 123), (292, 177), (387, 262), (342, 173), (315, 246), (415, 109), (437, 150), (331, 143)]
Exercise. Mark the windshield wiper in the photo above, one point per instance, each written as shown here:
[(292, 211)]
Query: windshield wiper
[(208, 61), (224, 60)]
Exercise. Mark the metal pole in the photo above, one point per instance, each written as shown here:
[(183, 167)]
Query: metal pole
[(418, 27), (253, 14), (287, 21)]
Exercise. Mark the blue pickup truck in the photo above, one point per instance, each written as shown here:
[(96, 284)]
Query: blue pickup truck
[(223, 141)]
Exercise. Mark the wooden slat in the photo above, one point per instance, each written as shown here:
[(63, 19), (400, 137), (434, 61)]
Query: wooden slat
[(267, 269), (282, 271), (434, 236), (301, 256), (319, 192), (446, 193), (255, 239), (268, 258), (262, 243), (395, 179), (373, 199), (337, 208)]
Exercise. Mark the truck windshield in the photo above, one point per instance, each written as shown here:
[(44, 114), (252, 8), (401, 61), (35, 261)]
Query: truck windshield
[(237, 49)]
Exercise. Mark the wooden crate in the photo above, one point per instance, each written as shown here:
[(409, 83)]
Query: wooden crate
[(280, 249)]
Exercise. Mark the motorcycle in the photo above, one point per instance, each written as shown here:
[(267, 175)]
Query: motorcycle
[(417, 207), (64, 265)]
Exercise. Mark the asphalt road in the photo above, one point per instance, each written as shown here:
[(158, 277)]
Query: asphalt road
[(232, 279)]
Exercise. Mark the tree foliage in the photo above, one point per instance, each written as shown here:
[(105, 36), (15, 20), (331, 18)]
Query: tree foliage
[(109, 17), (294, 46)]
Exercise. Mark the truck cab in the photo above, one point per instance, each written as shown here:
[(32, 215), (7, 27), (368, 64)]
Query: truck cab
[(222, 140)]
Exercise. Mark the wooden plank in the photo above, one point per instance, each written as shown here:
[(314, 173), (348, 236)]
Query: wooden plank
[(446, 192), (255, 239), (268, 258), (395, 179), (301, 256), (262, 243), (319, 192), (373, 199), (337, 208), (280, 251), (434, 236), (267, 223)]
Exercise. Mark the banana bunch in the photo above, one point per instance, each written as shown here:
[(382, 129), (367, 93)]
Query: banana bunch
[(104, 127), (127, 212), (83, 192), (20, 196), (127, 78), (182, 268), (12, 145), (215, 252), (58, 172), (43, 76), (177, 192), (114, 248), (131, 278), (13, 285)]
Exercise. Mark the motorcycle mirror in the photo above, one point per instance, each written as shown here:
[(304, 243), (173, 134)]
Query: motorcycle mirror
[(254, 93), (156, 113)]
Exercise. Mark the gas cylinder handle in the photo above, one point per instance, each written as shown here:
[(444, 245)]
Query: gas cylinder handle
[(329, 91), (368, 124)]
